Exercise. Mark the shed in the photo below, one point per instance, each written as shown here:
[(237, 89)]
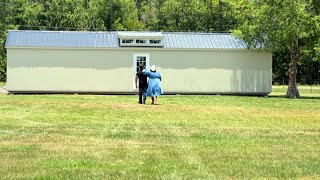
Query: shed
[(106, 62)]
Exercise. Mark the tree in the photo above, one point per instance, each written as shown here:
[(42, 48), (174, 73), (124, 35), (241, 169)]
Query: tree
[(188, 15), (279, 25), (125, 16), (148, 13), (3, 62)]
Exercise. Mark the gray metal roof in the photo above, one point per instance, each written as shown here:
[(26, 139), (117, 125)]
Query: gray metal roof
[(74, 39), (202, 40)]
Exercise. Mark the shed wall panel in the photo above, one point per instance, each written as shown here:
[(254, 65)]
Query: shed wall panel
[(69, 70), (215, 71), (110, 70)]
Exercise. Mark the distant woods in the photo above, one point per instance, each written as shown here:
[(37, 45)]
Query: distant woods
[(102, 15)]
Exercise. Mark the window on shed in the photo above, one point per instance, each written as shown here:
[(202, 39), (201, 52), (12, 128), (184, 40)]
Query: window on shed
[(140, 41), (155, 41), (127, 41), (140, 60)]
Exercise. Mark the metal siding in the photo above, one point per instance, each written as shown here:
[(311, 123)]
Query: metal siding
[(69, 70), (224, 43), (228, 72), (183, 41), (62, 39), (187, 44), (219, 41), (237, 45), (192, 42), (227, 42), (199, 41), (233, 44), (209, 41), (202, 41), (166, 41), (195, 41), (94, 70), (214, 40)]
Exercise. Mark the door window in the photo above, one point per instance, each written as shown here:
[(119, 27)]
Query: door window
[(137, 60), (141, 60)]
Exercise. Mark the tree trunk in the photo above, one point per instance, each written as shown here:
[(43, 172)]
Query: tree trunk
[(292, 86), (220, 17), (111, 14), (3, 12), (86, 4), (138, 4), (150, 11), (210, 25)]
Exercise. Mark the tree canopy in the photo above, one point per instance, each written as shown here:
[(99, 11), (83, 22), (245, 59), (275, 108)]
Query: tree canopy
[(288, 28), (291, 26)]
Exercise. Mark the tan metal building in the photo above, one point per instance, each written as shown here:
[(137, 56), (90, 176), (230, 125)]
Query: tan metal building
[(106, 62)]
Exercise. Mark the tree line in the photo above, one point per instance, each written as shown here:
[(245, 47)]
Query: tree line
[(101, 15), (288, 28)]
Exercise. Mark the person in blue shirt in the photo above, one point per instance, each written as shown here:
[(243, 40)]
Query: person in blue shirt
[(154, 84)]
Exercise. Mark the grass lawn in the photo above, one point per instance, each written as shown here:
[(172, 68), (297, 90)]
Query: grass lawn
[(304, 90), (186, 137)]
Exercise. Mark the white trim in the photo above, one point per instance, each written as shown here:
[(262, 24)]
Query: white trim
[(47, 31), (134, 67), (140, 37), (143, 48), (139, 34)]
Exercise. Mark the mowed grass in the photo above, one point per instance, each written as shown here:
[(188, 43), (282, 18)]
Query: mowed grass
[(304, 90), (186, 137)]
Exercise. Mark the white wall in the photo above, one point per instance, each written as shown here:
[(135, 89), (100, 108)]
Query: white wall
[(216, 71), (110, 70)]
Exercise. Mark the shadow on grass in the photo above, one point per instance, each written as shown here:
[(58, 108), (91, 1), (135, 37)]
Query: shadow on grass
[(302, 97)]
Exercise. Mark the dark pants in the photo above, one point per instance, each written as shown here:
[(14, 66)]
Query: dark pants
[(142, 92)]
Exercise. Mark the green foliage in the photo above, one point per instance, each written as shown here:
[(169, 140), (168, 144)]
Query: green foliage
[(125, 16), (3, 68), (195, 15), (277, 24), (280, 26), (162, 15), (184, 15), (148, 13), (3, 60)]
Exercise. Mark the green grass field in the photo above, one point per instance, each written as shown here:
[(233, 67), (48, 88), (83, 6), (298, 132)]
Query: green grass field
[(186, 137), (305, 91)]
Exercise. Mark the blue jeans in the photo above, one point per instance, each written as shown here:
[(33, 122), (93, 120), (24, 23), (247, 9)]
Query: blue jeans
[(142, 92)]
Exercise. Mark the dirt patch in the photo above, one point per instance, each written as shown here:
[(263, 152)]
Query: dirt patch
[(3, 90)]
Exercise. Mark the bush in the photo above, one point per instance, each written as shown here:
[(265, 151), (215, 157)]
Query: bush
[(3, 69)]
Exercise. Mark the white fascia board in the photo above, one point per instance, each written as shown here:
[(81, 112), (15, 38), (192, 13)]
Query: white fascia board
[(146, 49), (141, 37)]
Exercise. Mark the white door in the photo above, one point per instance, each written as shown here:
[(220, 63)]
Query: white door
[(137, 60)]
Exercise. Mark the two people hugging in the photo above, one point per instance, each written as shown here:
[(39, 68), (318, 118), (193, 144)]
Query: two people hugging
[(152, 87)]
